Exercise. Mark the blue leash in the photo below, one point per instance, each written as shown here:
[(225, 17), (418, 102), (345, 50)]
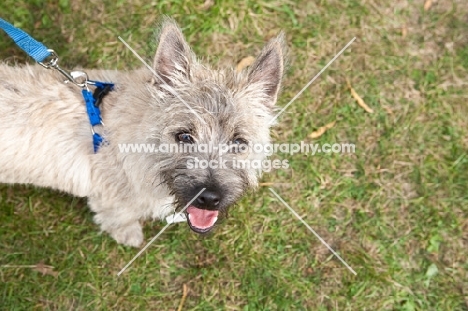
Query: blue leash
[(33, 48), (39, 52)]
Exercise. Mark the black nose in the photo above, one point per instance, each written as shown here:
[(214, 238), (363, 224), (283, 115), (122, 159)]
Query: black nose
[(208, 199)]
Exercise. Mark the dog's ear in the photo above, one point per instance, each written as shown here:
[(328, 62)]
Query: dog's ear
[(173, 56), (268, 69)]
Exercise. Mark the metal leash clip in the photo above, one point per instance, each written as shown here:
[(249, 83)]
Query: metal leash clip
[(78, 78)]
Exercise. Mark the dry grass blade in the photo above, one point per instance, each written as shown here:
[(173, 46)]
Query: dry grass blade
[(321, 130), (184, 296), (404, 31), (245, 62), (45, 269), (267, 184), (387, 109), (358, 98), (207, 4)]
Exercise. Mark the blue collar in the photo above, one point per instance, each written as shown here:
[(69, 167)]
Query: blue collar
[(93, 101)]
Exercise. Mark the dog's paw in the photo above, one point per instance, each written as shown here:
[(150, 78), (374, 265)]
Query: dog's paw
[(130, 235)]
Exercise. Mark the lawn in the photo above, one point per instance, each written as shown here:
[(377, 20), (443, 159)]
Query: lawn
[(396, 210)]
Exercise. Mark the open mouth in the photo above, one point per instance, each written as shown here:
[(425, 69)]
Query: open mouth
[(201, 220)]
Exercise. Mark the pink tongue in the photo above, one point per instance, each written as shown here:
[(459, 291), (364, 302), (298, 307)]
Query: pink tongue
[(201, 218)]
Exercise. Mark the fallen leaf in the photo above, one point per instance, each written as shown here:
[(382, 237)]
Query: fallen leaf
[(404, 31), (427, 5), (387, 109), (321, 130), (358, 98), (432, 271), (245, 62), (207, 4), (45, 269)]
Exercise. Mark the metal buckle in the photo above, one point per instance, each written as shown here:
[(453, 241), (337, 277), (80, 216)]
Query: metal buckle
[(71, 76), (100, 125), (52, 62)]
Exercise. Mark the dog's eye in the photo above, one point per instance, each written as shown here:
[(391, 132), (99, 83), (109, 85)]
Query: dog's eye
[(239, 145), (185, 138), (240, 141)]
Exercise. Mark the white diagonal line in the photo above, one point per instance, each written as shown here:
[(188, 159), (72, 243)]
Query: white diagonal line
[(313, 231), (313, 79), (157, 235), (168, 87)]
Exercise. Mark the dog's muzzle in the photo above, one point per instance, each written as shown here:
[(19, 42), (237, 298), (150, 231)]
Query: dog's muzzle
[(202, 216)]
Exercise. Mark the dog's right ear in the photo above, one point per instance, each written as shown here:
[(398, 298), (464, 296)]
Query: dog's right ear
[(268, 69), (173, 56)]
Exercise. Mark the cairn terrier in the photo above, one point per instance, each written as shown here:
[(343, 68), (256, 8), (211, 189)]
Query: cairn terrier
[(45, 136)]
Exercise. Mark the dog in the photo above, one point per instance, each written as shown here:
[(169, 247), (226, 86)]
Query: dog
[(46, 140)]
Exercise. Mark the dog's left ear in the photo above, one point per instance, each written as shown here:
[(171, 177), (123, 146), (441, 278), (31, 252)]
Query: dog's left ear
[(268, 69), (173, 56)]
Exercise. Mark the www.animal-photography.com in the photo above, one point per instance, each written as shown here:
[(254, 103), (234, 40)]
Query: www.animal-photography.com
[(233, 155)]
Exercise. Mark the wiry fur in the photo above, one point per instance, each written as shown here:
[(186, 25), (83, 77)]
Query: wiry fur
[(45, 135)]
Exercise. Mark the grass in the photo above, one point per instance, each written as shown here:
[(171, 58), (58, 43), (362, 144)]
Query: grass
[(396, 210)]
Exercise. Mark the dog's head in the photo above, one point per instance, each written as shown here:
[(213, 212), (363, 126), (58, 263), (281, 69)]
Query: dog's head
[(216, 117)]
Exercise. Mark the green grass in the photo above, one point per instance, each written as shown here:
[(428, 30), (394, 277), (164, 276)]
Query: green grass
[(396, 210)]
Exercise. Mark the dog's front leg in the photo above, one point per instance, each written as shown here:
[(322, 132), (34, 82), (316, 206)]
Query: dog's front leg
[(118, 222)]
